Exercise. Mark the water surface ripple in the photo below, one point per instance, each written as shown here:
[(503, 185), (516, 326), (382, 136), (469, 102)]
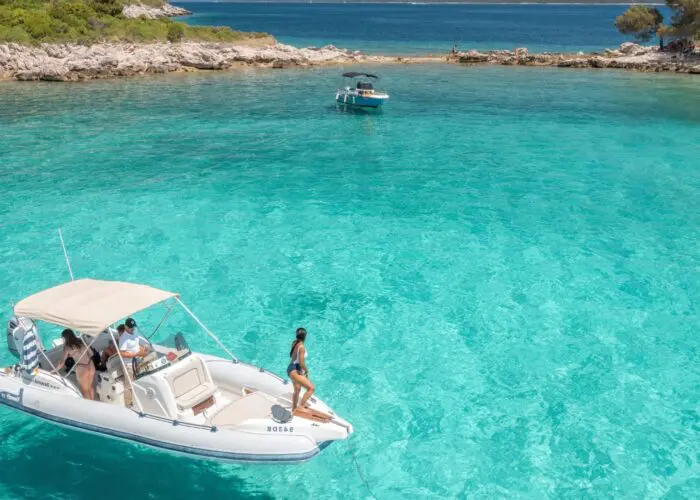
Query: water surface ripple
[(499, 273)]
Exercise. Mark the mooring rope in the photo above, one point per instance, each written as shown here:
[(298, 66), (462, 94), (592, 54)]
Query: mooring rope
[(359, 471)]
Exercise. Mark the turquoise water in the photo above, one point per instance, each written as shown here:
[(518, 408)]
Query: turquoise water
[(499, 273)]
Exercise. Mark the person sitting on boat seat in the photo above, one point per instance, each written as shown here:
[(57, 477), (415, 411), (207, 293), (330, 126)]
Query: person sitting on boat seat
[(131, 344), (111, 349)]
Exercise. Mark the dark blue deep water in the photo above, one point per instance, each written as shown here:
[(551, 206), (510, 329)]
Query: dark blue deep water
[(407, 28)]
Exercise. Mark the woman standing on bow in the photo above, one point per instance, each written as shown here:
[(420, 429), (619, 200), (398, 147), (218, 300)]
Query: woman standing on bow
[(298, 371)]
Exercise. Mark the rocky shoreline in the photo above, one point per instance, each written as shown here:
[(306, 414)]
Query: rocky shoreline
[(629, 56), (72, 62)]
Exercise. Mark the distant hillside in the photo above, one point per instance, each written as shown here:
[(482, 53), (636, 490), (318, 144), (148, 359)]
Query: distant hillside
[(90, 21)]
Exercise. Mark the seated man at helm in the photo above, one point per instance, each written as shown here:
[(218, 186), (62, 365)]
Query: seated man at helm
[(131, 344)]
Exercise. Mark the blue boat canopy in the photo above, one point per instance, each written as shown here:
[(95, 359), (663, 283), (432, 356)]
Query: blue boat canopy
[(354, 74)]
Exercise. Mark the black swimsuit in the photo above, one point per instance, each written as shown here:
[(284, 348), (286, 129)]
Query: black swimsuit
[(295, 366)]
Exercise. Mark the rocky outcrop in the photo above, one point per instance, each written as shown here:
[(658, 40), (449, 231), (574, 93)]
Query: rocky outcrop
[(633, 49), (147, 12), (629, 56), (475, 57), (71, 62), (521, 52)]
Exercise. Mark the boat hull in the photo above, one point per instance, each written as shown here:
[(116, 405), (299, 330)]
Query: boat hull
[(359, 101), (261, 441)]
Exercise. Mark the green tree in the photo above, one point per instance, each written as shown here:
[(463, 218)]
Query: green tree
[(641, 21), (685, 21)]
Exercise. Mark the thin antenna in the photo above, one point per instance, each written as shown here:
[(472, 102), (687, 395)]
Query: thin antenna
[(65, 254)]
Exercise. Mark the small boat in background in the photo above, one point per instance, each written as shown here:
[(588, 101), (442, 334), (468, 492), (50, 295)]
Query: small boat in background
[(362, 93)]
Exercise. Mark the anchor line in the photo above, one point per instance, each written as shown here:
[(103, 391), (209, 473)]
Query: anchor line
[(359, 471)]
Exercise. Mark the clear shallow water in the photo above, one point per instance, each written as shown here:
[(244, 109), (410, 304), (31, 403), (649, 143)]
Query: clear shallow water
[(499, 273), (415, 29)]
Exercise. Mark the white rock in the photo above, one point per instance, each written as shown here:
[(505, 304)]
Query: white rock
[(148, 12), (633, 49)]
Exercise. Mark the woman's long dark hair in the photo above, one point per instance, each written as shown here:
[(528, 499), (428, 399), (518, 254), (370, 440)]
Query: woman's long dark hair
[(301, 337), (70, 339)]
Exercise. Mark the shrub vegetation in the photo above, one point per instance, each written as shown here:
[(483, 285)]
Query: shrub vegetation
[(90, 21)]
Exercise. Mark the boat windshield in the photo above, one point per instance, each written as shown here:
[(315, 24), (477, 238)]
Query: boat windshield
[(164, 354), (177, 343)]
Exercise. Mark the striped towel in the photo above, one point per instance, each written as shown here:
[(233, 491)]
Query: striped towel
[(30, 351)]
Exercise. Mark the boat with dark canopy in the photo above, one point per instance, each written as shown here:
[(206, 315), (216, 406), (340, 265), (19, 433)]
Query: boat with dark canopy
[(362, 92)]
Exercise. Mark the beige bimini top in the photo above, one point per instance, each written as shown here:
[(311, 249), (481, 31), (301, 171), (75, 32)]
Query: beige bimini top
[(89, 306)]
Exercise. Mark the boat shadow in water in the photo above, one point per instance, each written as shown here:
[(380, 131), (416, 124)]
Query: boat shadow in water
[(71, 464), (354, 110)]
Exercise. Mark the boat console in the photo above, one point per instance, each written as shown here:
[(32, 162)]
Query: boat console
[(109, 384)]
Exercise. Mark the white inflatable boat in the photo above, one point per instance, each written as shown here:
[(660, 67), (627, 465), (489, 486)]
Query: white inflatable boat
[(203, 406)]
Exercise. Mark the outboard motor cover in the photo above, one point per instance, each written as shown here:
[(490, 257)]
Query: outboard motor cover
[(17, 328)]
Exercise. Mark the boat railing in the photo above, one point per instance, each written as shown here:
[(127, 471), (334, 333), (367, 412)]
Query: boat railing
[(259, 368), (176, 422), (263, 370)]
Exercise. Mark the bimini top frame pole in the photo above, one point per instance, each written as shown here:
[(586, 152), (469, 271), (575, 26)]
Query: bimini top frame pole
[(187, 310), (126, 372)]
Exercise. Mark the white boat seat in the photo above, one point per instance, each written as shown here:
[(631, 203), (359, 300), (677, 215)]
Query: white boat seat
[(195, 396), (114, 368), (253, 406), (191, 383)]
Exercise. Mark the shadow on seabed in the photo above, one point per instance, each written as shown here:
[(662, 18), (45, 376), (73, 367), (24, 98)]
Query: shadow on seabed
[(70, 464)]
